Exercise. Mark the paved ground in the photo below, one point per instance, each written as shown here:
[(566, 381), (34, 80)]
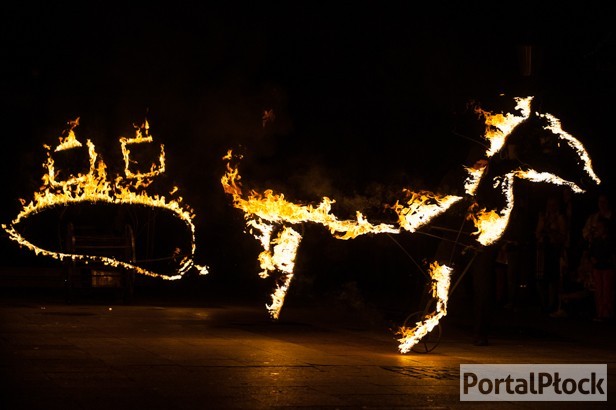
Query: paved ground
[(164, 352)]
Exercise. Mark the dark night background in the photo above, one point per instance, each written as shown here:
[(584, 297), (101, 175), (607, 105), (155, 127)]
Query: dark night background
[(366, 96)]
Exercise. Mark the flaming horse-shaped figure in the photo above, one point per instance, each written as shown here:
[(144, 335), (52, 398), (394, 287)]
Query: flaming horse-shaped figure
[(271, 219)]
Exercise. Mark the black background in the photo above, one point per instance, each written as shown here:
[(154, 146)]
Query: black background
[(365, 95)]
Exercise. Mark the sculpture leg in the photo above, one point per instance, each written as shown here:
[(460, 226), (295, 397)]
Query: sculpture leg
[(411, 335)]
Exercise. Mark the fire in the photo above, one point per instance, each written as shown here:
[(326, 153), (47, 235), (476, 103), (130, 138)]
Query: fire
[(440, 280), (263, 210), (267, 211), (500, 126), (491, 224), (421, 207), (96, 187), (555, 126), (276, 209), (140, 138)]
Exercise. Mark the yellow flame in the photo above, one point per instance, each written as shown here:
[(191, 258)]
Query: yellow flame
[(491, 224), (263, 210), (275, 209), (142, 135), (95, 187), (475, 173), (282, 257), (555, 126), (70, 141), (440, 281), (421, 207), (500, 126)]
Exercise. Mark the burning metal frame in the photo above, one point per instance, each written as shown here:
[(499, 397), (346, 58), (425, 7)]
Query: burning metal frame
[(96, 187), (272, 219)]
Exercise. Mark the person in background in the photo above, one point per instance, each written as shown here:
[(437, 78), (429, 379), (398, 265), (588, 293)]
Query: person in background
[(574, 243), (602, 252), (604, 210), (550, 234)]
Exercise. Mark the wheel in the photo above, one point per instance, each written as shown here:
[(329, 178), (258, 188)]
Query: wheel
[(429, 342)]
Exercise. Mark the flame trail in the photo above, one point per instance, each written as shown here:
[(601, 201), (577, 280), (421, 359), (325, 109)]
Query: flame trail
[(421, 207)]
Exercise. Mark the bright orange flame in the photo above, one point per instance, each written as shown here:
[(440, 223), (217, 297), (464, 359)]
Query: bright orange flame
[(264, 210), (491, 224), (440, 280), (95, 187), (500, 126), (421, 207)]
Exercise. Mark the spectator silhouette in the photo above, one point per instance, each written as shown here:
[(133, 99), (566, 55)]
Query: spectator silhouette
[(577, 299), (482, 272), (550, 233), (602, 252), (517, 248), (574, 242), (604, 210)]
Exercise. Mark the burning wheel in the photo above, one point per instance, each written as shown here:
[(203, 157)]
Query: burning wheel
[(430, 341)]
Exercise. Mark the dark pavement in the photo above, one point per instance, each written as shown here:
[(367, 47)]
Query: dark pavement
[(204, 350)]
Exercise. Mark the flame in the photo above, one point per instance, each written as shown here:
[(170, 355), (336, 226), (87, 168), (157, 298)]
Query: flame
[(275, 209), (475, 173), (491, 224), (283, 259), (95, 187), (421, 207), (265, 210), (140, 138), (70, 141), (555, 126), (440, 281), (500, 126)]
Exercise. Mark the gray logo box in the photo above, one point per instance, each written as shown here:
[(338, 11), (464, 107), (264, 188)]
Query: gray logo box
[(533, 382)]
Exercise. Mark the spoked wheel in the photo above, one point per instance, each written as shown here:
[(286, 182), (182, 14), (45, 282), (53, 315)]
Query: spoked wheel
[(429, 342)]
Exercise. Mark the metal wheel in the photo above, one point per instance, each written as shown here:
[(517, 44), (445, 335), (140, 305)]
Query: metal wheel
[(430, 341)]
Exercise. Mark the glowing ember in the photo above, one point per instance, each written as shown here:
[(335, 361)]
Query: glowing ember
[(95, 187), (266, 212)]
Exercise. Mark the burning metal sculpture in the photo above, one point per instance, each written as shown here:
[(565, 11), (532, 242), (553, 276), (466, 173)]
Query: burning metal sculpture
[(95, 187), (272, 220)]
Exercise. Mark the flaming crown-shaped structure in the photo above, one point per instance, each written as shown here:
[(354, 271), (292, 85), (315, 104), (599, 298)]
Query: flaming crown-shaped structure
[(94, 186)]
